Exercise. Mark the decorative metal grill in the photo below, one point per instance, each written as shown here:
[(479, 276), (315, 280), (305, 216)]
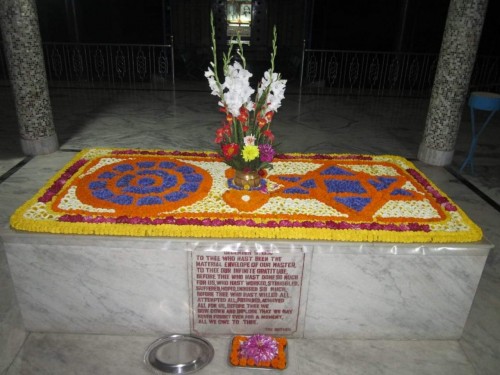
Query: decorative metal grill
[(373, 72), (322, 71), (367, 73), (383, 73), (110, 65)]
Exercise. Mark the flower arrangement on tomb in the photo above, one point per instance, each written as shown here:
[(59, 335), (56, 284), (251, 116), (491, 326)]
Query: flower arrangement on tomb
[(245, 138), (109, 192), (259, 351)]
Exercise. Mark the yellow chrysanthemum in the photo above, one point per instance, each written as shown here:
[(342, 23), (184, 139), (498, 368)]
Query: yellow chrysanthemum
[(250, 153)]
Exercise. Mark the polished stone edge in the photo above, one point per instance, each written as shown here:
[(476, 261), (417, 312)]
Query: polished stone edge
[(98, 354), (480, 248), (12, 337), (12, 330), (41, 146), (434, 157)]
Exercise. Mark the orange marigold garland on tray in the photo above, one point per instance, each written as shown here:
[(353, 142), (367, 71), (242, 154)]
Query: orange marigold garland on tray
[(260, 351)]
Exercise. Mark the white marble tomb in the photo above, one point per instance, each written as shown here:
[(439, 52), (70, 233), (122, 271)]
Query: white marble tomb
[(130, 285)]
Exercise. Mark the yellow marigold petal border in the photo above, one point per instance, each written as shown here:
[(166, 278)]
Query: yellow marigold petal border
[(39, 215)]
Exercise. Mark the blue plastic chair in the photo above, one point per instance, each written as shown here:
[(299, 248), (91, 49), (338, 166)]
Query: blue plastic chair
[(483, 101)]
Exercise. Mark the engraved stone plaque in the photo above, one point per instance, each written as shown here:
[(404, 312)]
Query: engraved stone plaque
[(247, 291)]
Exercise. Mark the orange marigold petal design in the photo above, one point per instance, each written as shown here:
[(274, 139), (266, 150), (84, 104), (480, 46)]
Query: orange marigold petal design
[(189, 194), (246, 201)]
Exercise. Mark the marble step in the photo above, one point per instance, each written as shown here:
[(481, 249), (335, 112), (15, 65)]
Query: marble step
[(56, 354)]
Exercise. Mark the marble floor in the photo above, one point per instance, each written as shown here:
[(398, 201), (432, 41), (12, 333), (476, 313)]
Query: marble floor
[(184, 119)]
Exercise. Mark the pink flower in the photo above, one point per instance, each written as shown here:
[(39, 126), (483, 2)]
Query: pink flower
[(266, 152), (260, 348)]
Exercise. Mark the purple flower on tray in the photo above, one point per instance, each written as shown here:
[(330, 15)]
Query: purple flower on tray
[(260, 348)]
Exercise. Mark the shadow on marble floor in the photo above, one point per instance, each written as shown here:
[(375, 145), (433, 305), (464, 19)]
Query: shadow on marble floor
[(186, 119)]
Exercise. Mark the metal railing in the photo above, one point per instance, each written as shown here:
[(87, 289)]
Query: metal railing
[(383, 73), (332, 72), (95, 65), (367, 73), (110, 65)]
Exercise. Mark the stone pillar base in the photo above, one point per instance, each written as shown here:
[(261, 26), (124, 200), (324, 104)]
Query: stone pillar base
[(42, 146), (434, 157)]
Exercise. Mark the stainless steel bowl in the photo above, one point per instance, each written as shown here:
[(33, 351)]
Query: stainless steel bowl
[(178, 354)]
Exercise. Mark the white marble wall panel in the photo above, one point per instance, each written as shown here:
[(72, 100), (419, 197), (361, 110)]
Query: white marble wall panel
[(390, 296), (12, 332), (480, 340), (109, 287), (140, 286)]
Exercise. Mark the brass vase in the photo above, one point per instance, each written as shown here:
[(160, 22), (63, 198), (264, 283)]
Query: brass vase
[(246, 179)]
